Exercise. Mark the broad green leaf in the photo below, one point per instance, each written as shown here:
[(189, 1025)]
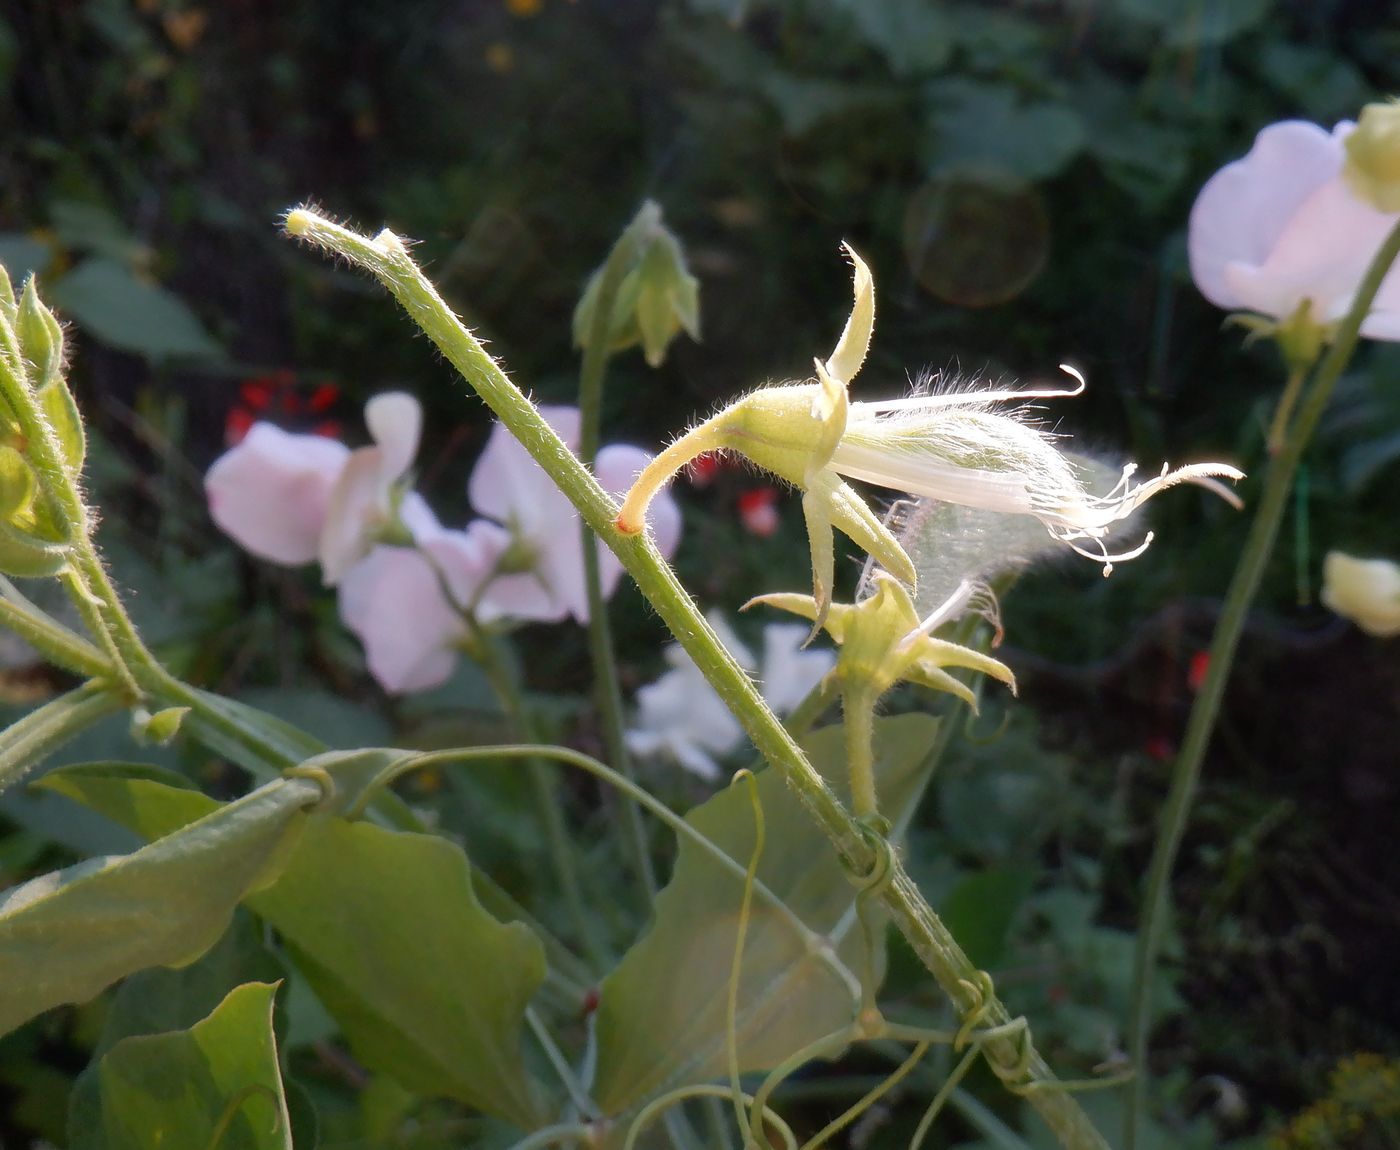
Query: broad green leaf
[(149, 801), (1195, 24), (65, 936), (24, 744), (426, 985), (985, 125), (662, 1022), (258, 742), (978, 911), (91, 228), (109, 301), (163, 998), (21, 254), (914, 36), (215, 1084)]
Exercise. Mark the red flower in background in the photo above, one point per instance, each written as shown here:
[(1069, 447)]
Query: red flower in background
[(276, 398), (758, 511)]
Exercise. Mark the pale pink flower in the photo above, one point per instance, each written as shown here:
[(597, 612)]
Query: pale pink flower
[(1280, 227), (292, 499), (406, 604), (545, 579)]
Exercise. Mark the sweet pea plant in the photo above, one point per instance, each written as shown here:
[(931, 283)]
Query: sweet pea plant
[(765, 949)]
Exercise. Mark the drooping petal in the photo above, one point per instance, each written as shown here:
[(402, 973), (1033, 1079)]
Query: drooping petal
[(395, 421), (271, 493), (393, 602), (1366, 591), (1244, 208)]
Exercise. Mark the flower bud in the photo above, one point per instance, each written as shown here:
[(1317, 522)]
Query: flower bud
[(656, 299), (1366, 591), (1372, 168)]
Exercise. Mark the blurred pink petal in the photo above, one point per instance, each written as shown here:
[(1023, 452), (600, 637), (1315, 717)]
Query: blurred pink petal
[(1280, 227), (271, 493), (510, 487), (393, 602), (361, 505)]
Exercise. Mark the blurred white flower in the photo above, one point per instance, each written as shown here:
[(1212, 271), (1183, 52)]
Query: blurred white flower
[(542, 577), (680, 716), (1366, 591), (291, 499), (405, 604), (1280, 228)]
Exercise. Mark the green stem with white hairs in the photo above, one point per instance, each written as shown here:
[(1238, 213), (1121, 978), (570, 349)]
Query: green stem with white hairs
[(386, 257)]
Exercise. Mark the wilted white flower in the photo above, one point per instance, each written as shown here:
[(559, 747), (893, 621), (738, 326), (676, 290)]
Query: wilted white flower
[(1366, 591)]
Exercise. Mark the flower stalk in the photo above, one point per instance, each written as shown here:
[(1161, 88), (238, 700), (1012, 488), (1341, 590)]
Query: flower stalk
[(1206, 708), (387, 259)]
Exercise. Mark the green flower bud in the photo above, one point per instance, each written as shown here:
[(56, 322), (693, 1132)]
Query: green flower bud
[(160, 728), (656, 299), (1372, 168), (40, 337)]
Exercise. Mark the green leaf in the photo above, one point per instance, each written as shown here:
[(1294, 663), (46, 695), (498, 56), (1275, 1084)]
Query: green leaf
[(1196, 24), (161, 998), (131, 314), (148, 801), (914, 36), (426, 985), (662, 1022), (60, 409), (978, 911), (21, 255), (92, 229), (65, 936), (973, 124), (215, 1084), (26, 743)]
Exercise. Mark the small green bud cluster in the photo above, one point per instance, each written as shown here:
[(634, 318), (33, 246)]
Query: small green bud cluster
[(656, 299), (42, 444)]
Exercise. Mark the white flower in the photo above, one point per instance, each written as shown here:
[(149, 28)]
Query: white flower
[(1366, 591), (680, 716), (405, 604), (544, 578), (1280, 228), (294, 498)]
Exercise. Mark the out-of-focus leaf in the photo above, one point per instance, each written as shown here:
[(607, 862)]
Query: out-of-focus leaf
[(106, 299), (336, 722), (914, 36), (1197, 23), (215, 1084), (1324, 82), (979, 125), (92, 229), (425, 984), (65, 936), (978, 911), (23, 255), (662, 1022)]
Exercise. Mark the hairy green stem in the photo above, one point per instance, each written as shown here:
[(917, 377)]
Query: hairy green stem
[(600, 641), (386, 257), (1206, 708), (49, 637)]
